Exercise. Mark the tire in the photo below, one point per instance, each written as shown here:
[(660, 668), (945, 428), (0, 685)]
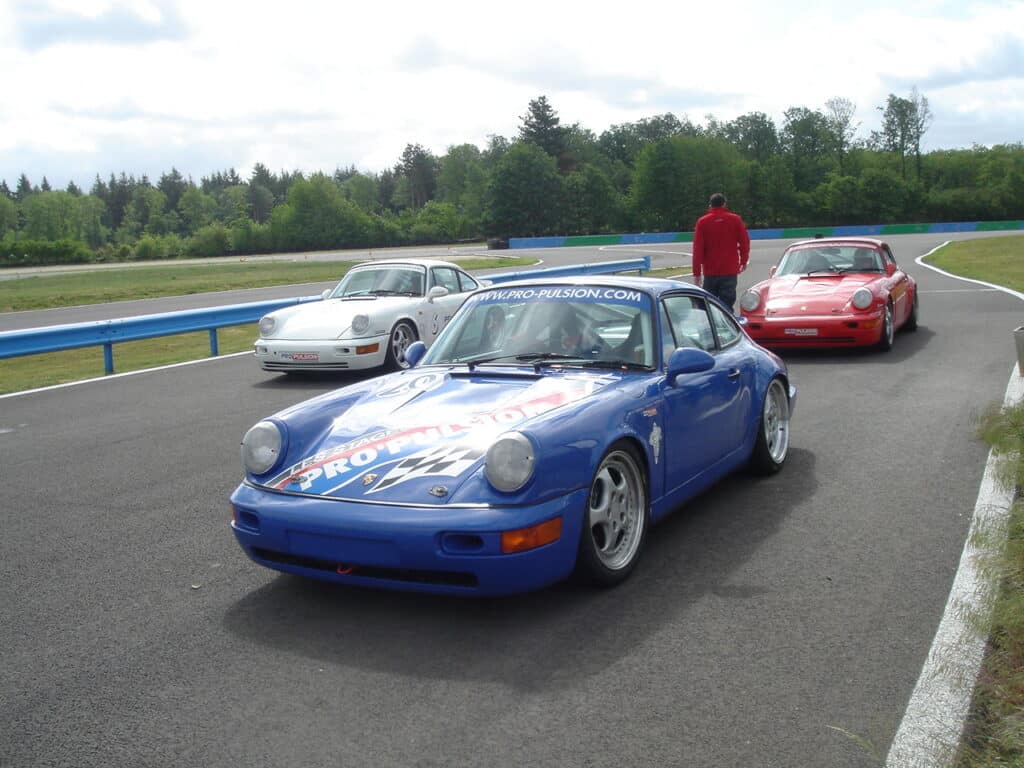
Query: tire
[(888, 330), (402, 335), (615, 520), (772, 444), (911, 324)]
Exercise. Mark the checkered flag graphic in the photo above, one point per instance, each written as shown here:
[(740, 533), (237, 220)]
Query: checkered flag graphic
[(450, 461)]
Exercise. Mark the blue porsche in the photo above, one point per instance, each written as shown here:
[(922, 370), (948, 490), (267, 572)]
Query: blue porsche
[(546, 429)]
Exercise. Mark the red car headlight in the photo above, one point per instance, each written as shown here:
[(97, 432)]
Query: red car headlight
[(750, 301), (862, 298)]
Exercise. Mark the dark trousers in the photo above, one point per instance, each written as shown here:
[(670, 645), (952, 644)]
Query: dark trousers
[(722, 286)]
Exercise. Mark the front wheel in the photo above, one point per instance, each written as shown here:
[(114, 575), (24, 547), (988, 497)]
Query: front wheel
[(615, 520), (402, 335), (772, 444), (888, 330)]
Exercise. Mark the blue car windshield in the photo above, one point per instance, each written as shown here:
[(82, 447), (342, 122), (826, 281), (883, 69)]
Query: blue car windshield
[(563, 325)]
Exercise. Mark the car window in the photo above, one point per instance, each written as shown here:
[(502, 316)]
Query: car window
[(688, 316), (668, 339), (388, 279), (725, 327), (446, 276), (575, 325), (466, 283)]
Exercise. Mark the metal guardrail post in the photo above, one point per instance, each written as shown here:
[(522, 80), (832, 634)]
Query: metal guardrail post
[(108, 358), (213, 343), (1018, 337)]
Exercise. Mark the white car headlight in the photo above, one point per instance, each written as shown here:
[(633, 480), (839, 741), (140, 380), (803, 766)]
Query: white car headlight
[(750, 300), (267, 325), (261, 448), (510, 461), (360, 324), (862, 298)]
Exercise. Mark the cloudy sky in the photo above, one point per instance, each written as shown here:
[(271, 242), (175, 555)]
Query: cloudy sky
[(140, 86)]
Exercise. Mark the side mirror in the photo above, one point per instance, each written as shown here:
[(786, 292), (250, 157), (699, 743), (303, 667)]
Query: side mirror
[(688, 360), (771, 271), (326, 293), (414, 353), (436, 292), (890, 268)]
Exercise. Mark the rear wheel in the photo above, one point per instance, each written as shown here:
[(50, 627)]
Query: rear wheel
[(616, 519), (911, 324), (888, 330), (402, 335), (772, 444)]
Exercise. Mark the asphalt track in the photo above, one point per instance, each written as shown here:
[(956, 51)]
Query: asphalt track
[(778, 622)]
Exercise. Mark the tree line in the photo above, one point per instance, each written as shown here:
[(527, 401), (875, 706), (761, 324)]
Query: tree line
[(815, 169)]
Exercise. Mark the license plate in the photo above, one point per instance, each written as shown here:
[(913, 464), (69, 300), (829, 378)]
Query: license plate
[(302, 357), (801, 331)]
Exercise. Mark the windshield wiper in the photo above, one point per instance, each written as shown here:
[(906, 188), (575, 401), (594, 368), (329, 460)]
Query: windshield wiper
[(611, 364), (471, 364)]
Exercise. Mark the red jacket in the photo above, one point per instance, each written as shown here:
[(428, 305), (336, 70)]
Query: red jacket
[(721, 245)]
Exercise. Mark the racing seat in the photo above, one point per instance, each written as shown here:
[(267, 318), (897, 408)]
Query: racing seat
[(628, 348), (817, 262), (864, 260)]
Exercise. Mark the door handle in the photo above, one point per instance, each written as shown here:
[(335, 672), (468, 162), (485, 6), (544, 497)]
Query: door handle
[(734, 373)]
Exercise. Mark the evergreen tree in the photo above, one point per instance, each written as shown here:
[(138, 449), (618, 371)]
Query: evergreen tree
[(23, 190), (542, 127), (419, 167)]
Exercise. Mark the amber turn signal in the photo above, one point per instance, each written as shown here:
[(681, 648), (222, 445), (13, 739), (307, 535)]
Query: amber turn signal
[(524, 539)]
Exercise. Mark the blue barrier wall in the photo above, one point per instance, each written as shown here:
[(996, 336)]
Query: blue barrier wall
[(870, 230)]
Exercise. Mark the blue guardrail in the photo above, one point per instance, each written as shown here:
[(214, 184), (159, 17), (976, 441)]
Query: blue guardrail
[(106, 333)]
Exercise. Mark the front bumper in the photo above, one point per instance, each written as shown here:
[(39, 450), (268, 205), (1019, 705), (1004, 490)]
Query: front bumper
[(440, 549), (321, 354), (848, 330)]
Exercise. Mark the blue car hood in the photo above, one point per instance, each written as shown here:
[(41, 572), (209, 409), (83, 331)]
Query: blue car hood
[(420, 431)]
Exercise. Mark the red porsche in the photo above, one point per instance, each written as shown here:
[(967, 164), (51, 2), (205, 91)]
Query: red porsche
[(832, 292)]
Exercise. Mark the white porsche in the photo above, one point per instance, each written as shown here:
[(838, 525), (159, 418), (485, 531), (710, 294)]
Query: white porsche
[(368, 320)]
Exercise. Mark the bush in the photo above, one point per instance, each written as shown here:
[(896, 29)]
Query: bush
[(41, 253), (249, 237), (211, 240), (152, 247)]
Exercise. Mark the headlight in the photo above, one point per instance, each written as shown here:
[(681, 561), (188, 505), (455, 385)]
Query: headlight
[(261, 448), (267, 325), (862, 298), (750, 301), (509, 462), (360, 324)]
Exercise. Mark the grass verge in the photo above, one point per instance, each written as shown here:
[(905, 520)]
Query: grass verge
[(20, 373), (994, 731), (103, 286), (997, 260)]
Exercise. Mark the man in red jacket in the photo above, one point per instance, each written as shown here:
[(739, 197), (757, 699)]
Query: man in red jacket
[(721, 249)]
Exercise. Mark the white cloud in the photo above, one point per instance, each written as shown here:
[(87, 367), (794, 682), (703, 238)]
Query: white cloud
[(139, 86)]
